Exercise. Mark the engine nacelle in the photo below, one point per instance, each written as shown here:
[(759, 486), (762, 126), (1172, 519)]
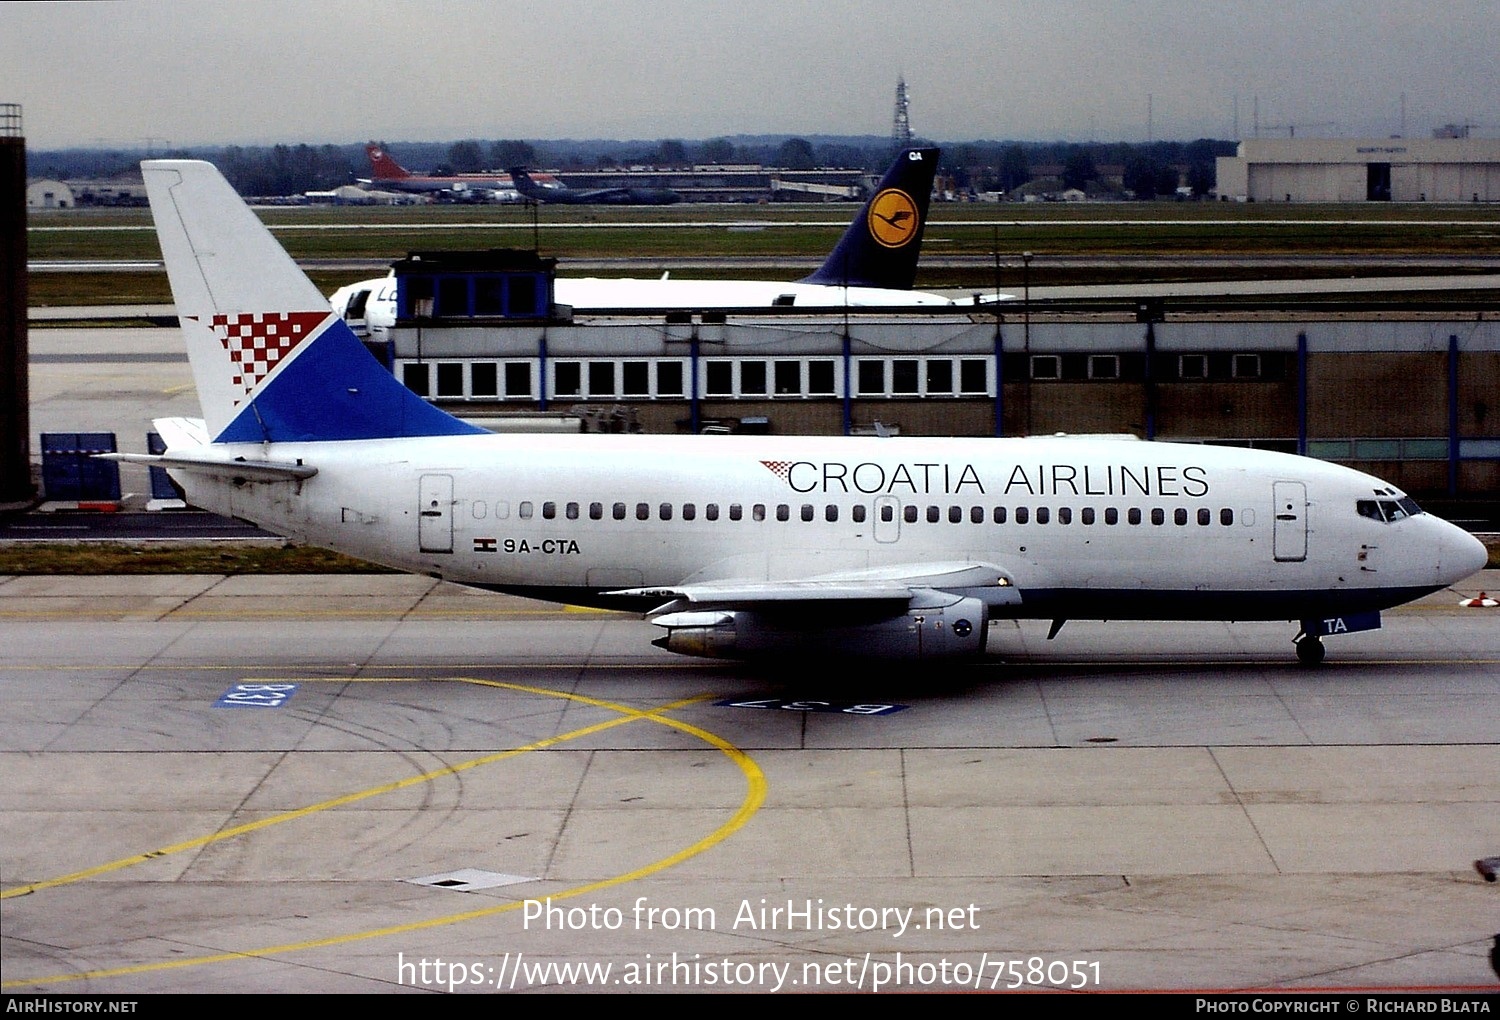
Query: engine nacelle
[(942, 626)]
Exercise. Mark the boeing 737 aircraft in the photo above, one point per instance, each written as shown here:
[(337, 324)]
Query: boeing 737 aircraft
[(874, 264), (745, 546)]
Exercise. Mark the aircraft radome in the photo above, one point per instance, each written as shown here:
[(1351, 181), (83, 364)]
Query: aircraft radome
[(874, 264), (742, 546)]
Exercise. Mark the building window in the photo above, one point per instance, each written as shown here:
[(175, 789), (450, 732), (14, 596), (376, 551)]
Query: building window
[(904, 377), (484, 379), (788, 378), (1192, 366), (450, 379), (518, 379), (635, 379), (820, 379), (973, 376), (1046, 366), (753, 378), (414, 375), (1247, 366), (601, 378), (1104, 366), (718, 378), (567, 379), (669, 378)]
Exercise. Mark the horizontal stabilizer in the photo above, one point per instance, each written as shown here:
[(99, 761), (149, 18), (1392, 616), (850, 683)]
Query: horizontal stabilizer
[(239, 467)]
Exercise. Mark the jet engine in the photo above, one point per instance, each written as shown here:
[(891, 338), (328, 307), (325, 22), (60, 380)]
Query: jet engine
[(934, 625)]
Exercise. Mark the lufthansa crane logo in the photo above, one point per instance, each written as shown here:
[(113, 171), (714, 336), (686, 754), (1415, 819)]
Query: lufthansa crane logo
[(893, 218)]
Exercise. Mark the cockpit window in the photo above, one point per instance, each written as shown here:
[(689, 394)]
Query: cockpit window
[(1387, 509)]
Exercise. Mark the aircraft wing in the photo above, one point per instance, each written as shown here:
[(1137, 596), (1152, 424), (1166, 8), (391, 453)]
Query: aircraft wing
[(897, 584), (900, 611)]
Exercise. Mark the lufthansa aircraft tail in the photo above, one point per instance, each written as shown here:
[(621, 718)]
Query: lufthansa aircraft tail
[(529, 188), (271, 360), (881, 246)]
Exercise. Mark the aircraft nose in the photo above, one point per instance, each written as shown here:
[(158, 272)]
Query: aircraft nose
[(1463, 555)]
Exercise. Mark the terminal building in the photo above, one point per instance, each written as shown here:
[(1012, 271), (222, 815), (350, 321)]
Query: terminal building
[(1362, 170), (1413, 399)]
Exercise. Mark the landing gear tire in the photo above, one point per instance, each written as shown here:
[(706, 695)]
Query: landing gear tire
[(1310, 650)]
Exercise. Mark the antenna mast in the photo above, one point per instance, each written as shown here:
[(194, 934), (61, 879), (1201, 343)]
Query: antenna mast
[(901, 123)]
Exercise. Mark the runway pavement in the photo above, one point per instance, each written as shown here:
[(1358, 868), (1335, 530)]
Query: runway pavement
[(334, 783)]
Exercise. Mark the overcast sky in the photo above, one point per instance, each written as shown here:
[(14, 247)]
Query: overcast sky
[(214, 72)]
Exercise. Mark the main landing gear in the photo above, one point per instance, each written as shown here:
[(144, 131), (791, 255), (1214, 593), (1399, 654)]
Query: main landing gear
[(1310, 648)]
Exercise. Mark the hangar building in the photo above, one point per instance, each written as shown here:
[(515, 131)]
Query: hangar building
[(1362, 170)]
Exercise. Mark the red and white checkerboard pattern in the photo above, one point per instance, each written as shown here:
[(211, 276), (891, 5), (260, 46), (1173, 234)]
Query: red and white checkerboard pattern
[(780, 468), (259, 341)]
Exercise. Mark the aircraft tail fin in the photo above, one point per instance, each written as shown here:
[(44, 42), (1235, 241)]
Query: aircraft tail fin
[(524, 183), (881, 246), (382, 166), (271, 360)]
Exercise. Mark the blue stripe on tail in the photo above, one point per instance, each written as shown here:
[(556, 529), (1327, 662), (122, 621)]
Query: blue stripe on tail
[(334, 389)]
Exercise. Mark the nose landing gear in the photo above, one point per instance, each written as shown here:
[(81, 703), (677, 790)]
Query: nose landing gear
[(1310, 650)]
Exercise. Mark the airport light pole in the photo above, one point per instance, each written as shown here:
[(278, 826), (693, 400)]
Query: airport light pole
[(1026, 258)]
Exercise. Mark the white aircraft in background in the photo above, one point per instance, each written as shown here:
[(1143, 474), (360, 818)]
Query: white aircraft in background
[(389, 175), (744, 546), (873, 265)]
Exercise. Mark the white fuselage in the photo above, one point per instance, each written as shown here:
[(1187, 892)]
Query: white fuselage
[(377, 314), (1086, 528)]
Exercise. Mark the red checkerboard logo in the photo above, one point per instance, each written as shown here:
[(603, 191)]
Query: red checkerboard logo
[(780, 468), (259, 341)]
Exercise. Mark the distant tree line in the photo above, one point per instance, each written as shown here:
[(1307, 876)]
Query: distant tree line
[(1144, 170)]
